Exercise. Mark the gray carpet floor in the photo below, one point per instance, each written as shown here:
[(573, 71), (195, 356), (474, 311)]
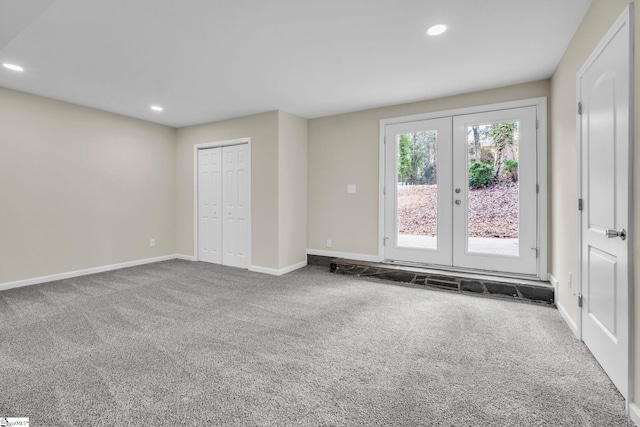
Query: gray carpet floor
[(183, 343)]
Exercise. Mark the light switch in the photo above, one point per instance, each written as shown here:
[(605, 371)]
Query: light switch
[(351, 188)]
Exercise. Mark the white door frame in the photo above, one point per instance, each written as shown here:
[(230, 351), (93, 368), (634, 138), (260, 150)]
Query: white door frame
[(623, 19), (541, 169), (226, 143)]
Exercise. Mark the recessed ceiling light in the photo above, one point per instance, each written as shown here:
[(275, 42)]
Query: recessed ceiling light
[(12, 67), (156, 108), (436, 30)]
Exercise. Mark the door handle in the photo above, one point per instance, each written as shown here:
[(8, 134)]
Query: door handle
[(613, 233)]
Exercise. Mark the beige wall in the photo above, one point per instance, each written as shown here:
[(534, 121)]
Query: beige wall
[(343, 149), (636, 208), (94, 187), (596, 23), (278, 184), (263, 130), (292, 185), (80, 188)]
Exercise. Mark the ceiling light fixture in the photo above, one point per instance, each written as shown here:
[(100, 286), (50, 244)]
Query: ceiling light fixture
[(156, 108), (436, 30), (12, 67)]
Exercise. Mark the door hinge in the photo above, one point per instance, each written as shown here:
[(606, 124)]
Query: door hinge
[(579, 300), (537, 188), (580, 108), (384, 191), (535, 249), (384, 241), (579, 204), (537, 124)]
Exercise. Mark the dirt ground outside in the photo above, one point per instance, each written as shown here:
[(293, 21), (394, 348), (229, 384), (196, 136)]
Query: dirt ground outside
[(493, 211)]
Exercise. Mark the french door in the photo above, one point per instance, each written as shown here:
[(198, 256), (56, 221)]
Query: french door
[(460, 191), (418, 220)]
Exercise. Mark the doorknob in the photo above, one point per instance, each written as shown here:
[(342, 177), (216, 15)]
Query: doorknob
[(458, 202), (457, 190), (613, 233)]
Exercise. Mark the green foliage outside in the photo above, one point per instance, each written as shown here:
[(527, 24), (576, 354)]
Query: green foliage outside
[(493, 150), (405, 154), (494, 145), (502, 135), (480, 175), (417, 158), (510, 167)]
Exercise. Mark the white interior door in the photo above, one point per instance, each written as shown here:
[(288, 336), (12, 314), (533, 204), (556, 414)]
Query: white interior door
[(210, 205), (418, 191), (605, 175), (235, 196), (224, 205), (495, 200)]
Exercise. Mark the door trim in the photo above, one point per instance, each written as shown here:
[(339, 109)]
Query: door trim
[(541, 168), (623, 19), (215, 144)]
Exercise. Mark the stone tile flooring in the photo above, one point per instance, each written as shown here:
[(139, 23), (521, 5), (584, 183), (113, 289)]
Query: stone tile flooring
[(524, 290)]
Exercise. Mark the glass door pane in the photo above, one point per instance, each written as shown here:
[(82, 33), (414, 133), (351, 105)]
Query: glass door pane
[(493, 201), (417, 189)]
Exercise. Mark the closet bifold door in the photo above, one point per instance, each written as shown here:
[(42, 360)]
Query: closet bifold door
[(235, 190), (210, 205)]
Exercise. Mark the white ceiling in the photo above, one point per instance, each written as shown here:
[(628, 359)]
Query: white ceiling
[(208, 60)]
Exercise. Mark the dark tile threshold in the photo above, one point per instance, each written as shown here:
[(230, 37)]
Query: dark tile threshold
[(467, 283)]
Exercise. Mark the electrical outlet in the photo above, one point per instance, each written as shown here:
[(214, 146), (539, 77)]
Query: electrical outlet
[(328, 243), (152, 242), (570, 280)]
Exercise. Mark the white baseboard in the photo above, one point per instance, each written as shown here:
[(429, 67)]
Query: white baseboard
[(347, 255), (634, 413), (257, 268), (570, 322), (68, 275), (563, 311), (277, 272)]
